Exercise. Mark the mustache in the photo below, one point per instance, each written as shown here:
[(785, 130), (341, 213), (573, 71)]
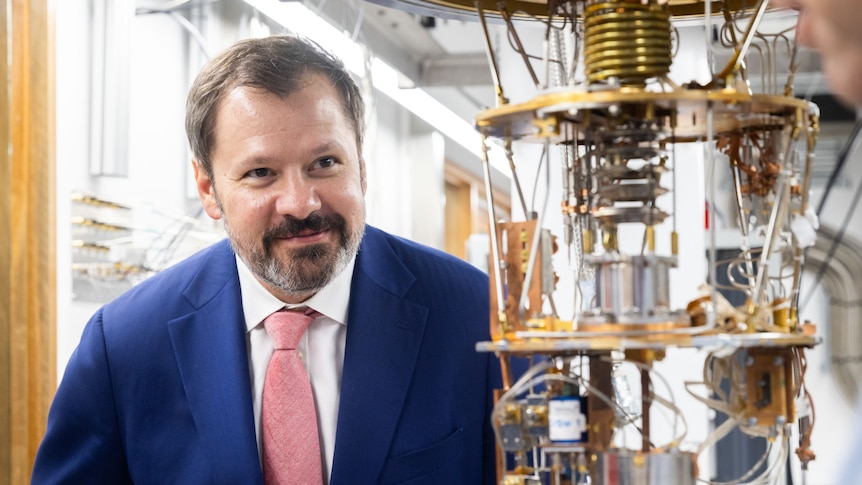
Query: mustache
[(291, 226)]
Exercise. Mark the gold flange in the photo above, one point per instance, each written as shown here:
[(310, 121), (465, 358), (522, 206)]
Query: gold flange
[(733, 110)]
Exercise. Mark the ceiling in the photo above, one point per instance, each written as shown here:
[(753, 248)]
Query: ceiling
[(445, 57)]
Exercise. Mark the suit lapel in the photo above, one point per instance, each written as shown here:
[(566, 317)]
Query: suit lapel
[(210, 349), (384, 335)]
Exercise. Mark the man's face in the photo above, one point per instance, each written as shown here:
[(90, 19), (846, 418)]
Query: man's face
[(289, 183), (834, 29)]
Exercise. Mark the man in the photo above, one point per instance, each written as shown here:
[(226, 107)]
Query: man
[(832, 27), (167, 383)]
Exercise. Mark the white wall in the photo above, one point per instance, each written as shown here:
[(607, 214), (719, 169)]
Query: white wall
[(405, 174), (158, 160)]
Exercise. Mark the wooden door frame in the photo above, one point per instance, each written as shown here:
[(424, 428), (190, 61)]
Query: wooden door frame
[(28, 299)]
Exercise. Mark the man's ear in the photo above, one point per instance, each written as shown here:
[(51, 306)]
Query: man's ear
[(206, 191)]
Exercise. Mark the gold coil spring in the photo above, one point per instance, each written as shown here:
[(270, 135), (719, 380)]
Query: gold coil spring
[(628, 41)]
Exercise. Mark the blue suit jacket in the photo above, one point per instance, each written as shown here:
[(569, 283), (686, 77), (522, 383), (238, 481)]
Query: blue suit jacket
[(158, 390)]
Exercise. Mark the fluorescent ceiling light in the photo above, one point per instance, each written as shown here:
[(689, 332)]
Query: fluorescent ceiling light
[(299, 19)]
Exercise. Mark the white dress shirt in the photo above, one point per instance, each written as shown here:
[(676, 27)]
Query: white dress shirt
[(321, 348)]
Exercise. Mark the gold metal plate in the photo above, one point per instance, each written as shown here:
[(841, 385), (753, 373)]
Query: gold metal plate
[(733, 111)]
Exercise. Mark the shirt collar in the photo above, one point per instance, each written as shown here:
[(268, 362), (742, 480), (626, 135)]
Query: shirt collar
[(257, 303)]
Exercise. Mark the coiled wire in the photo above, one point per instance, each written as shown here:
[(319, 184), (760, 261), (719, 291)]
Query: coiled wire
[(628, 41)]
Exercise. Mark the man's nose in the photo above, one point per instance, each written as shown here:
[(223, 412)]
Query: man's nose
[(297, 196)]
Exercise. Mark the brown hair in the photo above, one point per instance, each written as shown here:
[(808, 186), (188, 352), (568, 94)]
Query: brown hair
[(276, 64)]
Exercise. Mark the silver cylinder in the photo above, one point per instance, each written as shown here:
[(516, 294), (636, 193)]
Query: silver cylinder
[(632, 288), (627, 467)]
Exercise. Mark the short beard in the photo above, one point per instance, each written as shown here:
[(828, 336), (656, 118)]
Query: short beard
[(298, 272)]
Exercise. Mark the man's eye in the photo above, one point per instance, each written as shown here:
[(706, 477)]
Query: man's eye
[(324, 163), (258, 172)]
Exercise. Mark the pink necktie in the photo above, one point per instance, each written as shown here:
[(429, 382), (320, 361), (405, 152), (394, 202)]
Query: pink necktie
[(291, 446)]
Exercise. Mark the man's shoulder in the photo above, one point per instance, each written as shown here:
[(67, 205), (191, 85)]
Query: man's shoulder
[(166, 287), (415, 253), (188, 268)]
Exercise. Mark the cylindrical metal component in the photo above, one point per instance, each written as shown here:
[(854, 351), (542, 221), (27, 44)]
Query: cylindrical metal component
[(609, 238), (627, 40), (781, 313), (626, 467), (588, 241), (632, 285)]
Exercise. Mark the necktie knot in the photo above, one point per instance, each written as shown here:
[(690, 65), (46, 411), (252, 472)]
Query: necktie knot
[(286, 327)]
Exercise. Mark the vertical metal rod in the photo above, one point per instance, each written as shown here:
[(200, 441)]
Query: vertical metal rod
[(707, 25), (573, 34), (492, 225), (546, 49), (740, 203), (518, 45), (674, 235), (713, 243), (776, 222), (674, 180), (492, 60), (743, 223), (646, 401), (811, 141), (537, 234), (511, 159)]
